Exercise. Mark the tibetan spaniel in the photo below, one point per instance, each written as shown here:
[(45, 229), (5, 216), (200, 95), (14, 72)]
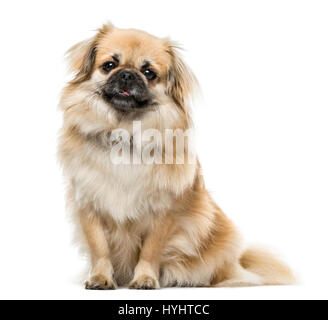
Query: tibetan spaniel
[(134, 184)]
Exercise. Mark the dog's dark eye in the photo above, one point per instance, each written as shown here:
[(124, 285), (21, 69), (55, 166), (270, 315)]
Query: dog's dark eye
[(108, 66), (149, 74)]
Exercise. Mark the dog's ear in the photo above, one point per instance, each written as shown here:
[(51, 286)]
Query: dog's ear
[(81, 57), (181, 81)]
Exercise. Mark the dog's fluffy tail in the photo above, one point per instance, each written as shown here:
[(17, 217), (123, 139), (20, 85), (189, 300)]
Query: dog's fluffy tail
[(267, 266)]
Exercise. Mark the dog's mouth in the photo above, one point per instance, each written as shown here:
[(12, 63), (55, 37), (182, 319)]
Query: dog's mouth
[(125, 93), (125, 100)]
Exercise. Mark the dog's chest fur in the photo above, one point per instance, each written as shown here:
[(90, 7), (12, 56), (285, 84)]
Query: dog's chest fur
[(123, 191)]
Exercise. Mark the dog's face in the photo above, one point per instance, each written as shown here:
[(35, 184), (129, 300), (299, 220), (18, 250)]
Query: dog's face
[(131, 70)]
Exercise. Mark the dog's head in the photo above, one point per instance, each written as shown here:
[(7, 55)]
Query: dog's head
[(130, 70)]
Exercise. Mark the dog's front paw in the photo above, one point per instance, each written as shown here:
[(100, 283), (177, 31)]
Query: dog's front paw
[(144, 282), (100, 282)]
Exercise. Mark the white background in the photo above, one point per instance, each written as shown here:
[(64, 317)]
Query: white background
[(262, 133)]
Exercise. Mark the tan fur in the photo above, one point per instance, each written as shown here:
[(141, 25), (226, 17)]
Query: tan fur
[(260, 261), (102, 271), (146, 225)]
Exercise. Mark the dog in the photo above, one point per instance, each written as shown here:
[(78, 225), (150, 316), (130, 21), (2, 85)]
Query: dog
[(145, 223)]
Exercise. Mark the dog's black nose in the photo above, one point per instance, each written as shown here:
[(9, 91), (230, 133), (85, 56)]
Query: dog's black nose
[(127, 76)]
